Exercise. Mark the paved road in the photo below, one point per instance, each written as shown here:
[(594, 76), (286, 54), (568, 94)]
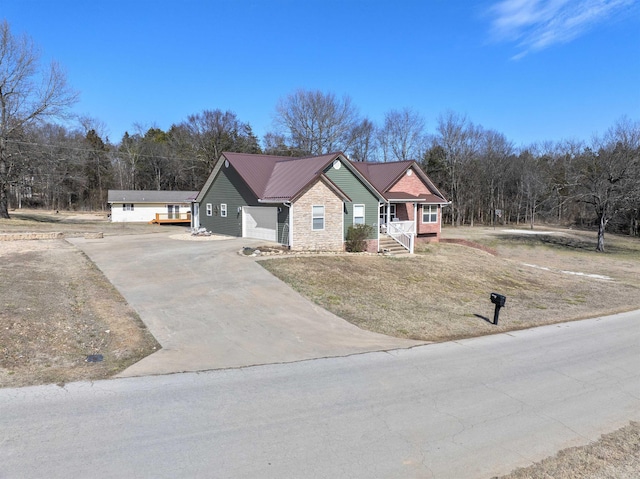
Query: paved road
[(465, 409), (211, 308)]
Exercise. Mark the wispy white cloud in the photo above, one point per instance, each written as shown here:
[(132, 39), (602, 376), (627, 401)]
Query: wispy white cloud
[(537, 24)]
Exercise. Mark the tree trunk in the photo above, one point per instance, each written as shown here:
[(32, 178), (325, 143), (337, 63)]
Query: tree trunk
[(4, 183), (601, 227)]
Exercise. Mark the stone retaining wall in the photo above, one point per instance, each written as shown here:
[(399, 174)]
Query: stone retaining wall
[(30, 236)]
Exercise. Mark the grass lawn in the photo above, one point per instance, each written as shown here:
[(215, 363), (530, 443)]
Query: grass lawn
[(442, 292)]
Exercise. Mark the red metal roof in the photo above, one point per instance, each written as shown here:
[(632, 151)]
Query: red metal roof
[(384, 175), (278, 178), (289, 177), (281, 178), (255, 170)]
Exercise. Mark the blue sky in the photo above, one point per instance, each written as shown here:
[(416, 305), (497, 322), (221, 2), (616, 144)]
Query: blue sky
[(533, 70)]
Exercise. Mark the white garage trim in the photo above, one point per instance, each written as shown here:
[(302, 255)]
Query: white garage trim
[(260, 222)]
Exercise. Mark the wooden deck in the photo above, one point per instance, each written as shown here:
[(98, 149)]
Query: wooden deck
[(166, 218)]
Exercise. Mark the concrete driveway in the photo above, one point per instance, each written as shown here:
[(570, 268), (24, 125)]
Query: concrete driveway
[(211, 308)]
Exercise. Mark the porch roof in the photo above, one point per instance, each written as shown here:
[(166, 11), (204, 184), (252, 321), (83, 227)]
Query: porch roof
[(425, 198)]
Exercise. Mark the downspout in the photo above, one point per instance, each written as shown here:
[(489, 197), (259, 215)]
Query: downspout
[(290, 216)]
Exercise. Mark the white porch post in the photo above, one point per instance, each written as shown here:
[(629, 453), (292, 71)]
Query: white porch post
[(415, 227), (388, 214)]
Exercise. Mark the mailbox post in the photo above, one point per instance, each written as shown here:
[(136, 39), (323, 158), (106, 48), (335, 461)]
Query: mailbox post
[(499, 300)]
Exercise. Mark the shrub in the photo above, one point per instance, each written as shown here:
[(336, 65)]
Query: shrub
[(357, 238)]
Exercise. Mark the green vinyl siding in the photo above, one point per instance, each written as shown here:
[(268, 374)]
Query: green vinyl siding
[(359, 194), (229, 188)]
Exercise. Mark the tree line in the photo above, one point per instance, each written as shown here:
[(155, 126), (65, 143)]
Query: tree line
[(47, 163)]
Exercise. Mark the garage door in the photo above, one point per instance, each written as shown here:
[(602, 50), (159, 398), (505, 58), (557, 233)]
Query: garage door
[(260, 222)]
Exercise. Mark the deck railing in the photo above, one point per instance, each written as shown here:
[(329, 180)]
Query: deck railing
[(173, 217), (403, 232)]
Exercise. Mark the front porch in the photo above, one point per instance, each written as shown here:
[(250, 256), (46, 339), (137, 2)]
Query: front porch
[(405, 221)]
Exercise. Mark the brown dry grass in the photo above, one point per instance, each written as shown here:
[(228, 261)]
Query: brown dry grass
[(442, 293), (614, 456), (74, 223)]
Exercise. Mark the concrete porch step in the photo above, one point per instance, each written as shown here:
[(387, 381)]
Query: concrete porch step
[(390, 246)]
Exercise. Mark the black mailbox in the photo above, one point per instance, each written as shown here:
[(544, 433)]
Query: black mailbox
[(498, 299)]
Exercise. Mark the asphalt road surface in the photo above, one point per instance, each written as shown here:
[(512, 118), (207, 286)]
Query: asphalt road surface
[(465, 409)]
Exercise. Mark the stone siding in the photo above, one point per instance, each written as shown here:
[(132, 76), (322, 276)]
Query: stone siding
[(328, 239)]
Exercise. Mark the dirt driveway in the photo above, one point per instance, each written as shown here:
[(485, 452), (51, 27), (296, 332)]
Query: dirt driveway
[(211, 308)]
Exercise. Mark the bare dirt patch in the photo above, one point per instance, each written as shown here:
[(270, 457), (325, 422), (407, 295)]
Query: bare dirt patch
[(57, 309)]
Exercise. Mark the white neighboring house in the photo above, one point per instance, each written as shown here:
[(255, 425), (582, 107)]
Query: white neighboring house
[(151, 206)]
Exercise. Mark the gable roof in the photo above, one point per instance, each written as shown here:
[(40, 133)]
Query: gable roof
[(277, 179), (384, 175), (150, 196)]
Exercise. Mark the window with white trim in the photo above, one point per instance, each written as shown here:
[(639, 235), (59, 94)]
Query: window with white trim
[(209, 209), (127, 206), (429, 213), (358, 214), (317, 213), (223, 210)]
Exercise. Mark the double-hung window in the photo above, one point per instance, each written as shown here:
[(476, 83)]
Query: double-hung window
[(209, 209), (223, 210), (317, 217), (429, 213), (358, 214)]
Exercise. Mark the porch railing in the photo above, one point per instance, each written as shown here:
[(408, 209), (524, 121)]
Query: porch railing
[(403, 232)]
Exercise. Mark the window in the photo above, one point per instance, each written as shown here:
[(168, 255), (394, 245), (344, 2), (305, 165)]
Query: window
[(318, 217), (358, 214), (127, 206), (209, 209), (223, 210), (429, 213)]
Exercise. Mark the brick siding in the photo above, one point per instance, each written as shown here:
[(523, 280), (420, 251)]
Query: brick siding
[(413, 185)]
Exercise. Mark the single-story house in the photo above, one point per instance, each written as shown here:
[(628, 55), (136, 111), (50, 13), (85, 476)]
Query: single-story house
[(309, 203), (151, 206)]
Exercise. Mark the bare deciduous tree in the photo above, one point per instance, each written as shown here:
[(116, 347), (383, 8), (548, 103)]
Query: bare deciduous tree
[(211, 132), (402, 137), (459, 139), (606, 175), (315, 122), (363, 145), (28, 93)]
